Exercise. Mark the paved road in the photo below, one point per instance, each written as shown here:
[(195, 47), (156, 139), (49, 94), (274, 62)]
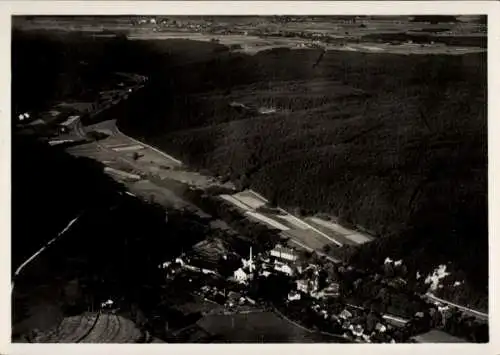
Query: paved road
[(466, 310)]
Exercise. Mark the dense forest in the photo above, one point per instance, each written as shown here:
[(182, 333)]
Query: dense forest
[(112, 251), (394, 143)]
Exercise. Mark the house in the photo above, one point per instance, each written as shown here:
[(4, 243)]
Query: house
[(108, 303), (284, 268), (345, 314), (332, 290), (233, 298), (294, 296), (265, 273), (240, 276), (302, 285), (233, 295), (357, 331), (284, 253), (313, 285), (380, 328), (165, 265)]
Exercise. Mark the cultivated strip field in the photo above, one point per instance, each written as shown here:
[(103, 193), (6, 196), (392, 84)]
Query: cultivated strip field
[(250, 199), (308, 233), (235, 202), (307, 237), (355, 237)]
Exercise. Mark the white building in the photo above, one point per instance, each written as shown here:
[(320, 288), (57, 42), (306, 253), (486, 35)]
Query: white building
[(240, 276), (282, 252), (179, 261), (106, 304), (357, 331), (345, 314), (434, 279)]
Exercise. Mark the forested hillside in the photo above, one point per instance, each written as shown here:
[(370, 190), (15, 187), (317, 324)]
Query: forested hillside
[(394, 143)]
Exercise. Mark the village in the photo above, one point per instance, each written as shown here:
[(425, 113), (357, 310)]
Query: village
[(316, 294)]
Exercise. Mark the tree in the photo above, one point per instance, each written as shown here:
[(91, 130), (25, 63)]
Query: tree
[(273, 201)]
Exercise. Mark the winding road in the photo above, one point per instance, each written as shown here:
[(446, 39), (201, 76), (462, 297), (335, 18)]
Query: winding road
[(466, 310)]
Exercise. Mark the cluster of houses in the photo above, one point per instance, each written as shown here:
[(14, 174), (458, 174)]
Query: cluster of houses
[(280, 260), (283, 260), (312, 285), (182, 263), (361, 329)]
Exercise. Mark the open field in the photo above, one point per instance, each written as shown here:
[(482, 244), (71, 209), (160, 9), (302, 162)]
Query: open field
[(91, 328), (269, 221), (300, 232), (375, 139), (258, 327), (336, 228), (307, 237), (249, 199)]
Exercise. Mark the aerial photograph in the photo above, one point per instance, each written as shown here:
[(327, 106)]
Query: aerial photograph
[(249, 179)]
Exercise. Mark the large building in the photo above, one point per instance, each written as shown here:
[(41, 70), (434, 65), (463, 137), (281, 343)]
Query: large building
[(284, 253)]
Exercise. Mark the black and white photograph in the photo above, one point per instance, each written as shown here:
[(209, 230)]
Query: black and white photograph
[(249, 179)]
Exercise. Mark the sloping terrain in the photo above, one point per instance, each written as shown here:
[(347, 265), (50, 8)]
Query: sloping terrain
[(394, 143)]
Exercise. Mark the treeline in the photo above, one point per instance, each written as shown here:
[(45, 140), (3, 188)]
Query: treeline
[(407, 158)]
